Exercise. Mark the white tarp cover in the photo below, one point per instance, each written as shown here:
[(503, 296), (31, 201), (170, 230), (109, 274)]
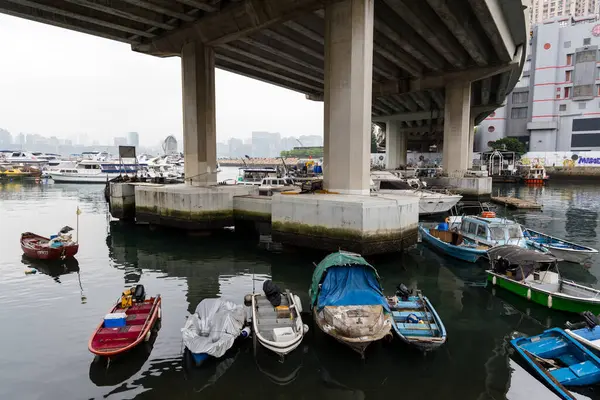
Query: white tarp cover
[(214, 326)]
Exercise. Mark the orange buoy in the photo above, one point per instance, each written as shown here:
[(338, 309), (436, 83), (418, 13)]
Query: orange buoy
[(488, 214)]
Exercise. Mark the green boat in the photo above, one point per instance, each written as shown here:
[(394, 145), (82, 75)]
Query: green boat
[(536, 277)]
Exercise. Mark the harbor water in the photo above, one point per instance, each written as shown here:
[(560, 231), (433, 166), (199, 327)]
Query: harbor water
[(47, 318)]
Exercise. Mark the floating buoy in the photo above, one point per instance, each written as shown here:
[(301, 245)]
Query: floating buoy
[(528, 294), (488, 214), (30, 271)]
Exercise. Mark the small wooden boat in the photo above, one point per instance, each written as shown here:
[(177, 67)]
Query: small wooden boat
[(128, 324), (347, 301), (453, 244), (42, 248), (560, 248), (559, 360), (415, 320), (536, 277), (278, 328)]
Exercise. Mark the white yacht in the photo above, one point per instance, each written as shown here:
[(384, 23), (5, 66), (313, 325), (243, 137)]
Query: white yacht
[(386, 183), (255, 176), (91, 171), (25, 158)]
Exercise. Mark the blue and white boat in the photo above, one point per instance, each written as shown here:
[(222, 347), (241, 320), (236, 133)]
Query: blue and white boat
[(560, 248), (453, 243), (559, 360), (415, 320), (213, 329)]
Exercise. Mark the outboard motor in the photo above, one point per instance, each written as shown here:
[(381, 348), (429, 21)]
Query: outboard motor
[(139, 294), (590, 319), (403, 292)]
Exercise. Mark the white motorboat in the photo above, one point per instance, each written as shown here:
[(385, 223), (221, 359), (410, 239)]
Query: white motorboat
[(91, 171), (279, 329), (386, 183), (25, 158), (560, 248)]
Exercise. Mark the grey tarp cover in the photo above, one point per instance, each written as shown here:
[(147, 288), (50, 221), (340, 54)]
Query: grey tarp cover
[(214, 326)]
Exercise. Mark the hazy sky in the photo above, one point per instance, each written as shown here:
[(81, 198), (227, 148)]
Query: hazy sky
[(59, 82)]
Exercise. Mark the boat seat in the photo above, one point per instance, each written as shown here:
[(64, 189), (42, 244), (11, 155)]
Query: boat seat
[(401, 315), (126, 332), (136, 319), (417, 329), (408, 305), (547, 347), (563, 375), (584, 368), (568, 359)]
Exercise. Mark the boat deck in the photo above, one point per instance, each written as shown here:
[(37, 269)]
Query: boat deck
[(513, 202), (116, 338), (267, 318)]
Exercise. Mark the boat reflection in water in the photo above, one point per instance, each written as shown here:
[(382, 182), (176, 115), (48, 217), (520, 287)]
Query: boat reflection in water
[(212, 369), (53, 268), (111, 373)]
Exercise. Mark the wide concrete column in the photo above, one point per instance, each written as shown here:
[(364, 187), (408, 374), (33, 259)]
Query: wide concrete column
[(457, 120), (396, 145), (348, 86), (471, 141), (199, 119)]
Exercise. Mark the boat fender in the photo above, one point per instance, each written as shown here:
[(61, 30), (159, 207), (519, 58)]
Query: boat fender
[(298, 304), (494, 280), (245, 332), (159, 312), (528, 294), (147, 338), (549, 301), (305, 327)]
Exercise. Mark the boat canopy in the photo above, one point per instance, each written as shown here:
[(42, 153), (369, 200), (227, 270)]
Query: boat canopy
[(516, 255), (346, 279)]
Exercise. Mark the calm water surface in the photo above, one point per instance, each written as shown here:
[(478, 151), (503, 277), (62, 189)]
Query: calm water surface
[(47, 318)]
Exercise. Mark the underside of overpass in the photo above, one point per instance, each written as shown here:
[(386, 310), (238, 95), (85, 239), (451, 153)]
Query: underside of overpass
[(419, 45)]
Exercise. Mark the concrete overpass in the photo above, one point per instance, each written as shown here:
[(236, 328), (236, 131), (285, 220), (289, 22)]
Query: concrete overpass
[(418, 65)]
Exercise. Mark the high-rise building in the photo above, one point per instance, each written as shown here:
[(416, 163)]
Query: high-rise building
[(170, 145), (5, 138), (266, 144), (133, 139), (120, 141), (554, 106), (542, 10)]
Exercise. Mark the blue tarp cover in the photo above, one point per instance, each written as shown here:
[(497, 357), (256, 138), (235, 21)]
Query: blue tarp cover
[(351, 286)]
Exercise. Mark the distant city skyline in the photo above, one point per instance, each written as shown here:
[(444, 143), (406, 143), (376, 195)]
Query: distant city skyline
[(65, 84)]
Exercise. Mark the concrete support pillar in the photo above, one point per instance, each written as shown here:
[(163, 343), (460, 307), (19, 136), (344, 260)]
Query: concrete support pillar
[(456, 127), (396, 145), (199, 120), (471, 141), (348, 83)]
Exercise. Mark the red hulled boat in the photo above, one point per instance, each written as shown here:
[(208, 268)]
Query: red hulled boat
[(41, 248), (114, 336)]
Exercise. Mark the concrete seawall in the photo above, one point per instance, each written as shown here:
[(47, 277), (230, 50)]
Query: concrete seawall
[(573, 173)]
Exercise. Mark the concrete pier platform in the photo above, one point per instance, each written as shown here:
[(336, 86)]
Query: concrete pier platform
[(470, 187), (362, 224), (188, 207)]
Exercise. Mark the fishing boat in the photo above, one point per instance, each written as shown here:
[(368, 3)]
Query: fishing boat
[(128, 323), (560, 248), (415, 320), (535, 276), (453, 243), (347, 301), (276, 319), (535, 175), (213, 329), (56, 247), (559, 360)]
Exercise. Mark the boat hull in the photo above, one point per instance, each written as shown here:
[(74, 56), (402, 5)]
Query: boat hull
[(359, 344), (432, 205), (32, 250), (555, 301), (534, 181), (587, 337), (461, 253)]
